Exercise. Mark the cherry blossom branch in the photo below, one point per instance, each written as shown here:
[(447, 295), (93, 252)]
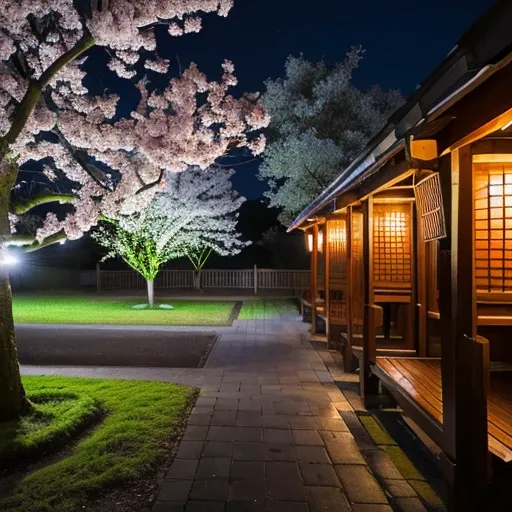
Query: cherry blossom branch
[(24, 205), (152, 184), (99, 177), (35, 88), (28, 243)]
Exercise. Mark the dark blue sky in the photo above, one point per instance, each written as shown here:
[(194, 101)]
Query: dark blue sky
[(404, 41)]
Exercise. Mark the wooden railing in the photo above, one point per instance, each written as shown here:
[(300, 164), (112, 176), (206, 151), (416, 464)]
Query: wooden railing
[(255, 279)]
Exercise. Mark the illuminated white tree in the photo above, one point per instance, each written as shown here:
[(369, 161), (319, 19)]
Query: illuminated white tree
[(195, 214), (47, 114), (320, 122)]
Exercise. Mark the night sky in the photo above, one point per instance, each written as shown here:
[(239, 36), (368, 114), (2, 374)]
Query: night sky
[(404, 41)]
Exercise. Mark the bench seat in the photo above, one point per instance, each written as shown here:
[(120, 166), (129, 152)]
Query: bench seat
[(416, 385)]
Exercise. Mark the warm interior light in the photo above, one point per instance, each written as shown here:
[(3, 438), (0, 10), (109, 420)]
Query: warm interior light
[(392, 244), (393, 224), (337, 233), (319, 244), (493, 227), (309, 238)]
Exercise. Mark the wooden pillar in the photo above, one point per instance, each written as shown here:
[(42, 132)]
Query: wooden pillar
[(368, 382), (327, 283), (465, 441), (421, 290), (348, 364), (314, 279)]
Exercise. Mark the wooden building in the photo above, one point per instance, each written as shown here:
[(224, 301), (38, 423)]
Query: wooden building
[(411, 258)]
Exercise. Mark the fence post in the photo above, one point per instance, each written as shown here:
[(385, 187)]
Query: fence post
[(98, 277), (255, 279)]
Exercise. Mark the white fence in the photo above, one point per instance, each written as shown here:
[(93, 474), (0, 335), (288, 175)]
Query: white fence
[(256, 279)]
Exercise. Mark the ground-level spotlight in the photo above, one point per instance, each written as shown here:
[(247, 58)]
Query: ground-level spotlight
[(7, 258), (62, 242)]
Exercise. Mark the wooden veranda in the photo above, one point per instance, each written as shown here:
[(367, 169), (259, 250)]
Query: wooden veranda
[(411, 259)]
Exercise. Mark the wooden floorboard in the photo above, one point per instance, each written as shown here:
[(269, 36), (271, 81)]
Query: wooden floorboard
[(420, 378)]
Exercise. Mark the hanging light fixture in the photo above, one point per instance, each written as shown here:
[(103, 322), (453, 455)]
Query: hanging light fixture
[(310, 238), (320, 241), (309, 241)]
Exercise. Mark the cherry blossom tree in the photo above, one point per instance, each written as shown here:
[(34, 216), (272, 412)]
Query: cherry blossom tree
[(46, 114), (320, 122), (195, 214)]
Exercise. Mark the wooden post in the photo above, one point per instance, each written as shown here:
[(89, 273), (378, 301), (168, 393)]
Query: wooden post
[(367, 381), (421, 290), (465, 440), (327, 289), (314, 279), (348, 365), (255, 274), (98, 277)]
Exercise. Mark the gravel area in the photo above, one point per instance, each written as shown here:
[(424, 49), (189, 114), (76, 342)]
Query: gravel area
[(122, 346)]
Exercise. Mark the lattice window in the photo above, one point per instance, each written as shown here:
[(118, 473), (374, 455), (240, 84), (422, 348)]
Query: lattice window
[(392, 245), (429, 203), (337, 246), (493, 227), (357, 292)]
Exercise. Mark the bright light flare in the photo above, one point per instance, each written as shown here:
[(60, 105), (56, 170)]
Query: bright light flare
[(7, 258)]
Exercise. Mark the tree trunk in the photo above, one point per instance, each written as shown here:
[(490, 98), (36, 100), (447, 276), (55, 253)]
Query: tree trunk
[(12, 395), (151, 292), (197, 280)]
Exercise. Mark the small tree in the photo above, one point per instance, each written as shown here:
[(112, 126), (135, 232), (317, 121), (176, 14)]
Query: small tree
[(194, 215), (139, 249), (198, 256)]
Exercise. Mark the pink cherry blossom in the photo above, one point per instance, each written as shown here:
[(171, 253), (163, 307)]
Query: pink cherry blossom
[(115, 167)]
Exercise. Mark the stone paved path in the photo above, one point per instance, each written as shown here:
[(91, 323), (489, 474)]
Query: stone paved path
[(266, 433), (271, 430)]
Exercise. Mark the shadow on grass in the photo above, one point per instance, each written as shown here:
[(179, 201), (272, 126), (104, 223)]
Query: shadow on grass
[(56, 419)]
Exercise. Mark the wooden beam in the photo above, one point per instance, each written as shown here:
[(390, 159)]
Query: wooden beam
[(493, 148), (389, 175), (464, 402), (367, 380), (484, 110), (401, 193), (314, 279)]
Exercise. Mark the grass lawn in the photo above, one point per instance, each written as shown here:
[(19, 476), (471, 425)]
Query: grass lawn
[(135, 425), (79, 310), (259, 309)]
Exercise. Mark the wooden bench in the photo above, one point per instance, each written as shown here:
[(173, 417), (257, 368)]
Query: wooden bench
[(416, 385)]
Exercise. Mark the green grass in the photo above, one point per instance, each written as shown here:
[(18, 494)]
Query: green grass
[(80, 310), (259, 309), (141, 420)]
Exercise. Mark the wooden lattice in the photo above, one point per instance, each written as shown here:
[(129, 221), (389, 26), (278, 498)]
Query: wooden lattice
[(337, 246), (357, 292), (493, 227), (392, 258), (429, 203)]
